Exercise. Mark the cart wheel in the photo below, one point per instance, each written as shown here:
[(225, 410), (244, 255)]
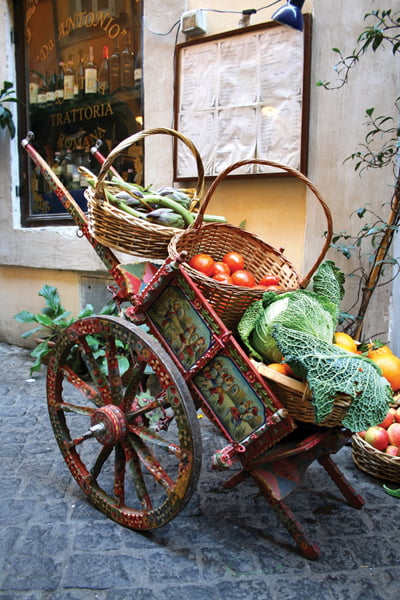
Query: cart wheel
[(124, 420)]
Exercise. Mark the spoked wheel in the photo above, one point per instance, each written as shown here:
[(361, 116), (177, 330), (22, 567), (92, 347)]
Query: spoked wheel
[(124, 420)]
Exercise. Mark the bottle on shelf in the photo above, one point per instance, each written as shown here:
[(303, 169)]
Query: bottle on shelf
[(51, 89), (115, 70), (90, 75), (103, 85), (69, 80), (42, 92), (127, 66), (57, 168), (59, 95), (34, 83), (80, 76), (138, 74), (67, 168)]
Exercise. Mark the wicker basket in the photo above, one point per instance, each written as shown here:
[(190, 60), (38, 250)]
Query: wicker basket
[(230, 301), (296, 397), (115, 228), (374, 462)]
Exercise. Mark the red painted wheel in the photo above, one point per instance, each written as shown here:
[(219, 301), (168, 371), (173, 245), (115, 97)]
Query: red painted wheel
[(124, 420)]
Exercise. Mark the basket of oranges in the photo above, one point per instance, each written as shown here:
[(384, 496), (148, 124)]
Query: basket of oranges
[(249, 258), (295, 395)]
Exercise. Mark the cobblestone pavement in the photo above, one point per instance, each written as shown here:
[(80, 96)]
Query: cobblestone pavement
[(225, 545)]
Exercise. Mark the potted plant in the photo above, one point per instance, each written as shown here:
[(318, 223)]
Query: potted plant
[(52, 320), (6, 117)]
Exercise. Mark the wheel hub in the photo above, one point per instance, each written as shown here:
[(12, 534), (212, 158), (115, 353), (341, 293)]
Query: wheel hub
[(108, 424)]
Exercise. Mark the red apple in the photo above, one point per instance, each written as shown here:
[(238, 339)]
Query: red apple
[(362, 434), (377, 437), (392, 450), (394, 434), (397, 414), (389, 419)]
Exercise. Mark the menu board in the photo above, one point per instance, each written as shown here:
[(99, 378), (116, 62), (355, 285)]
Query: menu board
[(244, 95)]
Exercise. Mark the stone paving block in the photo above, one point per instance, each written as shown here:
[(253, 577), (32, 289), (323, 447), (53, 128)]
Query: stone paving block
[(225, 545)]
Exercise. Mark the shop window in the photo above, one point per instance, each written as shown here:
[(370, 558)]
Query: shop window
[(79, 69)]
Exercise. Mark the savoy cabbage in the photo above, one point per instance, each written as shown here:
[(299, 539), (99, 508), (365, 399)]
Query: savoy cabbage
[(300, 326)]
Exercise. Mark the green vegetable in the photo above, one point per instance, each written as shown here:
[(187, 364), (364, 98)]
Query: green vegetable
[(330, 371), (300, 325), (314, 312)]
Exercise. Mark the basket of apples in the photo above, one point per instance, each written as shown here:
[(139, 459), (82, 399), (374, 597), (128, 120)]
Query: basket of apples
[(377, 450)]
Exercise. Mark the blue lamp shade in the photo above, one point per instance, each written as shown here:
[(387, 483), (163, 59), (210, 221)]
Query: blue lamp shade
[(290, 14)]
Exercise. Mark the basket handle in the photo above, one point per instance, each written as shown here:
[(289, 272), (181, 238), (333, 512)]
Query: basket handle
[(140, 135), (259, 161)]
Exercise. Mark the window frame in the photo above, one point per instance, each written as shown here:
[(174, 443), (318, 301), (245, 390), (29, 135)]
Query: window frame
[(24, 191)]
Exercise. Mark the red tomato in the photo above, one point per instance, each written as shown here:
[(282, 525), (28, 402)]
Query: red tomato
[(221, 267), (234, 260), (203, 263), (244, 278), (269, 280), (223, 278)]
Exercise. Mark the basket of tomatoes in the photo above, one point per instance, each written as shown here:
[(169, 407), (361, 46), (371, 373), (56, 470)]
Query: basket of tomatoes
[(252, 264)]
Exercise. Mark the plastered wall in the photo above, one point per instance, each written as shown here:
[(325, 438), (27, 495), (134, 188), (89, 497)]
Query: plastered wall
[(281, 211)]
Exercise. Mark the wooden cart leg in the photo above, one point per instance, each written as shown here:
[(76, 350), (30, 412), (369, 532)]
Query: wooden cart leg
[(354, 499), (287, 518)]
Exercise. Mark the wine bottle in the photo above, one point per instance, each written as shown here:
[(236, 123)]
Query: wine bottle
[(34, 83), (127, 67), (51, 89), (42, 92), (90, 74), (69, 80), (103, 85), (115, 70), (138, 71), (60, 83), (80, 77)]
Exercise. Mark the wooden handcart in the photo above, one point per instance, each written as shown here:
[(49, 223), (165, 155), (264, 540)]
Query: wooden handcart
[(125, 415)]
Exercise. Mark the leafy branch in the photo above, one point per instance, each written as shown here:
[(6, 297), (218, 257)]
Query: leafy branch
[(6, 117), (379, 149)]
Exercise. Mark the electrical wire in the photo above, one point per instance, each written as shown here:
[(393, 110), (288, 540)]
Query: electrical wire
[(159, 33), (216, 10)]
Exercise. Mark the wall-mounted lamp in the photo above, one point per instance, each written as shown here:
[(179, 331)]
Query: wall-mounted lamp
[(246, 14), (290, 14)]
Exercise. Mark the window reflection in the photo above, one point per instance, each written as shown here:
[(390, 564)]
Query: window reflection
[(84, 66)]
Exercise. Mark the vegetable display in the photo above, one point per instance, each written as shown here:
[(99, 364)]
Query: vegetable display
[(166, 206), (300, 327)]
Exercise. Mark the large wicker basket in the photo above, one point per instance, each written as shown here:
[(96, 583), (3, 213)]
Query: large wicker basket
[(296, 397), (117, 229), (374, 462), (230, 301)]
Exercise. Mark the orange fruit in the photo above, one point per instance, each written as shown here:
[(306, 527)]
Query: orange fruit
[(389, 364), (282, 368), (377, 351), (279, 367), (345, 341)]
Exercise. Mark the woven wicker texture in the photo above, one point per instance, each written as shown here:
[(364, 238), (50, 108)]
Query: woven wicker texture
[(374, 462), (296, 397), (230, 301), (115, 228)]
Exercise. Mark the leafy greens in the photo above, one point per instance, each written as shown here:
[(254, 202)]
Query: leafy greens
[(300, 326)]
